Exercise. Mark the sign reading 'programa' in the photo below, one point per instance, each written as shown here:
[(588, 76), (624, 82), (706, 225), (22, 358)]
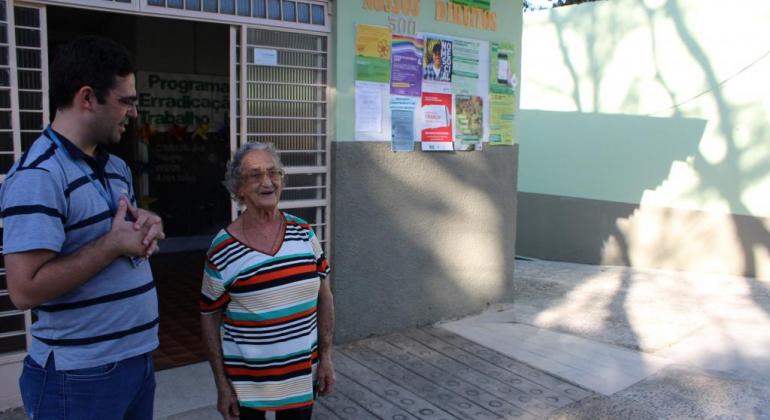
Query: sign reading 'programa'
[(185, 100)]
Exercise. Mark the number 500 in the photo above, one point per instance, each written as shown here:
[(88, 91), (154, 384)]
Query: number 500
[(402, 25)]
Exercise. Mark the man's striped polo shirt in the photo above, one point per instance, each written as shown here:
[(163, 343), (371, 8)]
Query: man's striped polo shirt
[(50, 200)]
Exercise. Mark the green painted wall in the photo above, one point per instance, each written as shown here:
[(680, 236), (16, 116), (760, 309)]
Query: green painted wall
[(611, 157), (673, 65), (643, 136), (349, 13)]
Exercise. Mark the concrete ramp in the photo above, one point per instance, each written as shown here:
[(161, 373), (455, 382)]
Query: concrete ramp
[(599, 367)]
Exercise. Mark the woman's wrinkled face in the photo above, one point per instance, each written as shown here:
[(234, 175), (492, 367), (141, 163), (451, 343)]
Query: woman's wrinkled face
[(261, 181)]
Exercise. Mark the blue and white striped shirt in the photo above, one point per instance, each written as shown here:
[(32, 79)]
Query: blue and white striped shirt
[(48, 202)]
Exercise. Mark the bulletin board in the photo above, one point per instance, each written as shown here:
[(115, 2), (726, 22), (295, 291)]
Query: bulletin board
[(442, 92)]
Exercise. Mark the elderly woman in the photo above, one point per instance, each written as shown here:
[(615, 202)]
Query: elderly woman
[(265, 286)]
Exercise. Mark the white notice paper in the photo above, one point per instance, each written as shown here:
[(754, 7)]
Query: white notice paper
[(369, 97), (265, 57)]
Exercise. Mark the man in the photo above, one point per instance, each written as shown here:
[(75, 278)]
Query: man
[(74, 245), (434, 70)]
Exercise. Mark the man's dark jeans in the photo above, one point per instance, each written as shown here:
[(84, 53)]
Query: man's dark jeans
[(120, 390)]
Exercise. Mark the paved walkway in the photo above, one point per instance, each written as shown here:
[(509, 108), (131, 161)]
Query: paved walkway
[(431, 373), (434, 374), (668, 344), (606, 343), (579, 342)]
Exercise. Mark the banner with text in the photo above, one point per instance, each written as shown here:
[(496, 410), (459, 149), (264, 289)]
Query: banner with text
[(190, 101)]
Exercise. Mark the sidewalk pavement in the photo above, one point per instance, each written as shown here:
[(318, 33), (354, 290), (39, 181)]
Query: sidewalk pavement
[(651, 344)]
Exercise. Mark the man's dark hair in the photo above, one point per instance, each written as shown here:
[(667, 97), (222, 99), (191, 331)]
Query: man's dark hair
[(437, 48), (87, 61)]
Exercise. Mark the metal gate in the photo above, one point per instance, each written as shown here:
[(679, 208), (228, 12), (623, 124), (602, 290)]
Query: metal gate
[(23, 114), (280, 97)]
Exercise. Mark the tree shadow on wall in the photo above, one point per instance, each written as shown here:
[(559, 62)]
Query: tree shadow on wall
[(566, 228), (726, 177), (626, 155), (580, 230), (428, 236)]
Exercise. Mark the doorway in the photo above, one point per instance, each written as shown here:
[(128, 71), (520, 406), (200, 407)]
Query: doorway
[(177, 150)]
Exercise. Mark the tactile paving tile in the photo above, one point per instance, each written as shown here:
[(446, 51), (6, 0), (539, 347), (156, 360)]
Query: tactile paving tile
[(433, 374)]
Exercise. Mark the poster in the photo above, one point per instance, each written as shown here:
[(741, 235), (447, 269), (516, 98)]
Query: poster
[(466, 59), (369, 99), (182, 102), (501, 119), (436, 109), (501, 77), (437, 60), (454, 79), (406, 66), (469, 118), (402, 116), (372, 53)]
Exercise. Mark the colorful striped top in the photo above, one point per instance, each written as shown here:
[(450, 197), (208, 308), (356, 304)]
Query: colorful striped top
[(269, 335)]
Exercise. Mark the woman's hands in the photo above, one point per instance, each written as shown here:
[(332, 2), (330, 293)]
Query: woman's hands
[(227, 402), (325, 371), (326, 376)]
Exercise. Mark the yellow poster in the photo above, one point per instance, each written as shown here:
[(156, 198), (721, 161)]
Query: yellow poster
[(372, 53)]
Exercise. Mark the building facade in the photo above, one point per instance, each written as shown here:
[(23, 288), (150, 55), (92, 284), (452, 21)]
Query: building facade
[(413, 237)]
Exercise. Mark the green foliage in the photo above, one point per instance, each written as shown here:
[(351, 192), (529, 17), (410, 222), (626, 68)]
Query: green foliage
[(530, 5)]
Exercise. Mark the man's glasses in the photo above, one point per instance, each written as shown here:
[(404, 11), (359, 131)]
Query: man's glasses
[(129, 101), (275, 175)]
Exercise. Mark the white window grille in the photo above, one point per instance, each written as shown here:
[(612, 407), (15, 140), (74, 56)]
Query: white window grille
[(23, 115), (285, 103)]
